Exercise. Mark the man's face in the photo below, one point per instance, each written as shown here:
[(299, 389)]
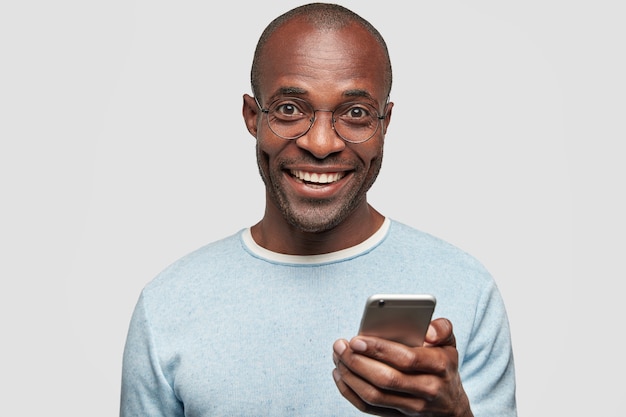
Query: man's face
[(316, 181)]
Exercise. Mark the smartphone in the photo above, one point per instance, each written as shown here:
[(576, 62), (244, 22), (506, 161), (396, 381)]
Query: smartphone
[(402, 318)]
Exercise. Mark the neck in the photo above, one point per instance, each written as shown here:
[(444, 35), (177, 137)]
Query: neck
[(275, 234)]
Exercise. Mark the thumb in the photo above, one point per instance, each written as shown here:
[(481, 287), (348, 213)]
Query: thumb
[(440, 333)]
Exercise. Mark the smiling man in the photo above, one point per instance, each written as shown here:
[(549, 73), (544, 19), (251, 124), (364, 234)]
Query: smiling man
[(319, 114), (252, 324)]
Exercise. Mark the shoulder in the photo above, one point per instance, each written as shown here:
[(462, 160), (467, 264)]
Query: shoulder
[(437, 265), (198, 264), (409, 241)]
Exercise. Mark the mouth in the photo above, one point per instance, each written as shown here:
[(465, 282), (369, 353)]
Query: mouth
[(316, 177)]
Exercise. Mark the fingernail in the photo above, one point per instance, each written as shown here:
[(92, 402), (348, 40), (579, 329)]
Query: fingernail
[(339, 347), (358, 345), (431, 333), (336, 375)]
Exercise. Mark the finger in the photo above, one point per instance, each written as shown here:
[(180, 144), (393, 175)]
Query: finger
[(419, 360), (347, 392), (440, 333), (365, 373), (372, 400)]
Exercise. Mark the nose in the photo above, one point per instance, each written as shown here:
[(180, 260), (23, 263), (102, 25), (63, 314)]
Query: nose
[(321, 140)]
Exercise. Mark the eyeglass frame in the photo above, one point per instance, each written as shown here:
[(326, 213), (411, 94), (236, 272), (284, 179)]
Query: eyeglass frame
[(266, 111)]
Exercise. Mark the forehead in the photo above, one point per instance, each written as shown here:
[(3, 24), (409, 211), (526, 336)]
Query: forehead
[(322, 64)]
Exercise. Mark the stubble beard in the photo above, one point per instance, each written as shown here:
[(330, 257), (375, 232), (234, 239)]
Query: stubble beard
[(318, 215)]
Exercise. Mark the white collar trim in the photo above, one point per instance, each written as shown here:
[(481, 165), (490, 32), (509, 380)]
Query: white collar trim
[(340, 255)]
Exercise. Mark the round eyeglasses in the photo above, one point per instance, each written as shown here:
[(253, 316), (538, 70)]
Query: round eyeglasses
[(292, 117)]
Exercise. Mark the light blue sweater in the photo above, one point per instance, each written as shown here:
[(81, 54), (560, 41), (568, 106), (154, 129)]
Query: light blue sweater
[(234, 330)]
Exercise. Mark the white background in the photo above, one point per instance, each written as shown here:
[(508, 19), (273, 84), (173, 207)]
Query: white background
[(123, 148)]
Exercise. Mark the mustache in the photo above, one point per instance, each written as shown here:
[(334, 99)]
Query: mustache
[(310, 160)]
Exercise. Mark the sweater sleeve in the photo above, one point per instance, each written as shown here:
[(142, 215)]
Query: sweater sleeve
[(145, 390), (488, 370)]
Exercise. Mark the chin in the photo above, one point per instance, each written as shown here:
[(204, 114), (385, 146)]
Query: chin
[(316, 221), (313, 227)]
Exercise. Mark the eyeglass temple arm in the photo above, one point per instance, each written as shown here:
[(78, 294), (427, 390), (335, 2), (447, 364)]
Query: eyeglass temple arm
[(256, 100)]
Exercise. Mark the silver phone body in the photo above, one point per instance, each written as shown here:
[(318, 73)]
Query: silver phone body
[(402, 318)]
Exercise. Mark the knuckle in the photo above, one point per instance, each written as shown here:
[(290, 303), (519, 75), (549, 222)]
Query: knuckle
[(418, 406), (431, 389), (372, 396), (440, 365), (410, 360), (376, 349), (392, 380)]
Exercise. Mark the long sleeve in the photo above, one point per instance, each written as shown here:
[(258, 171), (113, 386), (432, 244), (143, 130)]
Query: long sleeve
[(488, 368), (146, 392)]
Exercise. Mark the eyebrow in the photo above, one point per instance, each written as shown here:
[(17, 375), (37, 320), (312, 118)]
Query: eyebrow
[(358, 93), (286, 91)]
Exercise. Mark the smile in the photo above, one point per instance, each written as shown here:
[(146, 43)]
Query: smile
[(317, 178)]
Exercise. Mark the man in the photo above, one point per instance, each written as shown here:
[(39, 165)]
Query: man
[(245, 326)]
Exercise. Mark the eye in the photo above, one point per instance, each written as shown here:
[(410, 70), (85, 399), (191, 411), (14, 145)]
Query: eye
[(357, 112), (288, 110)]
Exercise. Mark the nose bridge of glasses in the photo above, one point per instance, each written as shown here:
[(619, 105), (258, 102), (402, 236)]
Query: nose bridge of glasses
[(332, 116)]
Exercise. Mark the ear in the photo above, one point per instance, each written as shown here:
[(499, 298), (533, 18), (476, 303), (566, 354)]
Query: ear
[(387, 120), (250, 113)]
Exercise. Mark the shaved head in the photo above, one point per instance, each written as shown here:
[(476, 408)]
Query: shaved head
[(323, 17)]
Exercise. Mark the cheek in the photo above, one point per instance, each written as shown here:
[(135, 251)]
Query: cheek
[(371, 152), (267, 152), (266, 140), (271, 148), (262, 160)]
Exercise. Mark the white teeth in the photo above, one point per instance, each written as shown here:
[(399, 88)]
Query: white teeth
[(324, 178)]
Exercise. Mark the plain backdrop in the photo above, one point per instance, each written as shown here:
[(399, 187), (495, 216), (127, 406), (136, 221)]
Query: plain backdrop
[(123, 148)]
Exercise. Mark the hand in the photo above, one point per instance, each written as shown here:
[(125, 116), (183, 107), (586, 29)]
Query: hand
[(390, 379)]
